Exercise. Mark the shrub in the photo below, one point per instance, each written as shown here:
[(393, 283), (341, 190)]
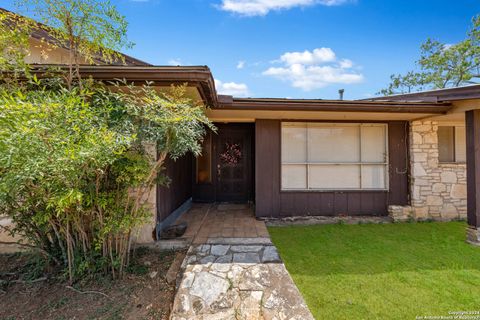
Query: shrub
[(74, 171)]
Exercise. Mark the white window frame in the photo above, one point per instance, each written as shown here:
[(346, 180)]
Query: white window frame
[(359, 163)]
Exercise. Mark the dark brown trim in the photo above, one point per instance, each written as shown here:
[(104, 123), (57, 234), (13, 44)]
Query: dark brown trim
[(197, 76), (337, 121), (201, 77), (472, 119), (331, 105), (449, 94)]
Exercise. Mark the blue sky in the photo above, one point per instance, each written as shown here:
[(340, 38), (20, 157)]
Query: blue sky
[(293, 48)]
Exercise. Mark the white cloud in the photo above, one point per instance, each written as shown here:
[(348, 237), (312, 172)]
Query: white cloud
[(346, 64), (240, 64), (263, 7), (319, 55), (312, 70), (232, 88), (175, 62)]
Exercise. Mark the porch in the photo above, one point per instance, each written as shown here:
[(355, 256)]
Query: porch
[(219, 223)]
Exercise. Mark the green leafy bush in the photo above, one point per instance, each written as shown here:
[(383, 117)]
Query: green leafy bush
[(74, 170)]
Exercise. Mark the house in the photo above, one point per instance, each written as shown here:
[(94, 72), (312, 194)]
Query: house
[(402, 156), (413, 156)]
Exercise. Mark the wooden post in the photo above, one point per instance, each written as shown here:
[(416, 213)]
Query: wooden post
[(472, 120)]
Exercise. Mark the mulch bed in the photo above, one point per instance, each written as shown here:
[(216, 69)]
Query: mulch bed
[(142, 294)]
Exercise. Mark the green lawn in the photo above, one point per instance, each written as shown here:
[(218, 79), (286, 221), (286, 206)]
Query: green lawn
[(387, 271)]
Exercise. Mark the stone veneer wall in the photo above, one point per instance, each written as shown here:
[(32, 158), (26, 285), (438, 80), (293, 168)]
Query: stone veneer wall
[(438, 190), (145, 233), (6, 222)]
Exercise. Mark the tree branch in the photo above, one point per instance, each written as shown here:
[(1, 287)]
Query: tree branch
[(87, 292), (32, 281)]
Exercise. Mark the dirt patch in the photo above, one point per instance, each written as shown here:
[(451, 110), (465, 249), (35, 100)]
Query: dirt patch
[(143, 294)]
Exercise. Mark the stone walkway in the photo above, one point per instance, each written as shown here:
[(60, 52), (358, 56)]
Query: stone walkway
[(235, 277)]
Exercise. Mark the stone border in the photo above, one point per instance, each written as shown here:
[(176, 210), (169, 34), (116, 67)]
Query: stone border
[(244, 241), (314, 220)]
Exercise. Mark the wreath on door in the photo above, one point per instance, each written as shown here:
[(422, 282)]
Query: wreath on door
[(232, 154)]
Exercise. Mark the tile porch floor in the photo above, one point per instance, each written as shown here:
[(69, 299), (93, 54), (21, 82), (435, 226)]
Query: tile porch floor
[(205, 222)]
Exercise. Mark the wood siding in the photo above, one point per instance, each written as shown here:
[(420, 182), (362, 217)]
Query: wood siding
[(180, 188), (472, 119), (272, 202)]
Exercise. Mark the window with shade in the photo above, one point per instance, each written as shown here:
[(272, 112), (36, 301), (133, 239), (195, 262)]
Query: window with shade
[(452, 144), (334, 156)]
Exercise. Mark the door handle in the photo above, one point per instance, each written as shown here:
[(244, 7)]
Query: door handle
[(218, 172)]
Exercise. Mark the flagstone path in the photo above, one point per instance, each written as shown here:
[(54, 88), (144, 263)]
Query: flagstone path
[(237, 279)]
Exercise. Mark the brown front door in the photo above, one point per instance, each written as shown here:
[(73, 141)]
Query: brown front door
[(234, 163)]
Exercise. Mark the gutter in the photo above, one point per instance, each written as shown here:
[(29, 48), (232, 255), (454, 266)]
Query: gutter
[(229, 103), (198, 76), (437, 95)]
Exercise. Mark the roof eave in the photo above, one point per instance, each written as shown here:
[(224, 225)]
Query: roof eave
[(198, 76), (438, 95), (332, 106)]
